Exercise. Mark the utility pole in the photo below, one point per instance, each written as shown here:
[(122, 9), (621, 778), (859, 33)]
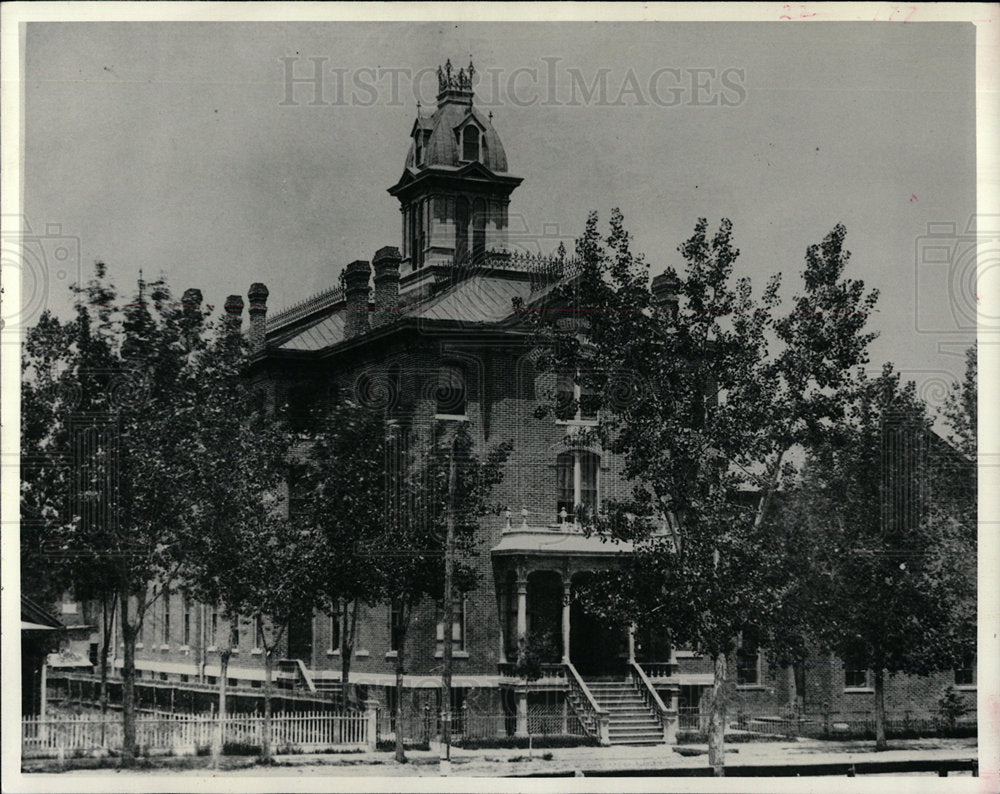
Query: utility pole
[(449, 602)]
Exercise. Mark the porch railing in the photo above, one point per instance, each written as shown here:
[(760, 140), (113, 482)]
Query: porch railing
[(596, 720), (667, 717)]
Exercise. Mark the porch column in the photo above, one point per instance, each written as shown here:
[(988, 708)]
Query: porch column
[(631, 643), (522, 608), (522, 638), (503, 622), (567, 589)]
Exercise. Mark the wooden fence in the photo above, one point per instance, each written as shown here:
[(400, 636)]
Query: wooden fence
[(188, 734)]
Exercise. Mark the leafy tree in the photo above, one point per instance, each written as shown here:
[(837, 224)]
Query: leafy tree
[(892, 566), (961, 406), (110, 391), (409, 553), (340, 490), (244, 551), (703, 415)]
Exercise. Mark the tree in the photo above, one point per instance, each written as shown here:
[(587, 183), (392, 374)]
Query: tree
[(111, 391), (892, 584), (409, 554), (340, 490), (244, 551), (703, 415)]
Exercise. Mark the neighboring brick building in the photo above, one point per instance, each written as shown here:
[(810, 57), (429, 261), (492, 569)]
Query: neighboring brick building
[(433, 331)]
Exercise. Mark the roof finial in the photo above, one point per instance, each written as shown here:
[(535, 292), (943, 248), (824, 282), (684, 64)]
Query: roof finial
[(491, 115)]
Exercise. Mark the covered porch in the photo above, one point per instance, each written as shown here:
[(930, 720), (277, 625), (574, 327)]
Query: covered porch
[(610, 674)]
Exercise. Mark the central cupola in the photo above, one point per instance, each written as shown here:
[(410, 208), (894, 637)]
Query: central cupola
[(455, 188)]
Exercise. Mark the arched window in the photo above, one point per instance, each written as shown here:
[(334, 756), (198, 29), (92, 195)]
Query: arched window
[(478, 231), (450, 395), (461, 230), (470, 143), (576, 482)]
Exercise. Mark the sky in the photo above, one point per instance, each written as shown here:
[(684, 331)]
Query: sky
[(177, 149)]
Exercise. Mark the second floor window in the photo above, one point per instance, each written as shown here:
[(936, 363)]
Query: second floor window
[(575, 402), (187, 620), (234, 632), (395, 627), (450, 394), (457, 626), (166, 617), (966, 674), (576, 478)]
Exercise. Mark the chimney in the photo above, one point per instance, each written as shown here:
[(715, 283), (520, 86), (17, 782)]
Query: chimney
[(191, 311), (356, 277), (666, 287), (258, 312), (386, 262), (234, 315)]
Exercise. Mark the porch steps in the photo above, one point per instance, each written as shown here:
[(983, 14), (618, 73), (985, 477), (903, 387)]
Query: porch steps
[(630, 720)]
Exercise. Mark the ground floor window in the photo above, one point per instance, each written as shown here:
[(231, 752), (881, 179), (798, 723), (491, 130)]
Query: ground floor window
[(855, 674), (748, 661), (965, 675)]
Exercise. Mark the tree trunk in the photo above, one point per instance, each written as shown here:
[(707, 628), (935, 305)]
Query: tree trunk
[(400, 754), (717, 722), (880, 742), (129, 634), (349, 624), (265, 742), (107, 624), (220, 733)]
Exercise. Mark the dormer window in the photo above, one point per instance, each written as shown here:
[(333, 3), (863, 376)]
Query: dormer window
[(420, 148), (470, 143)]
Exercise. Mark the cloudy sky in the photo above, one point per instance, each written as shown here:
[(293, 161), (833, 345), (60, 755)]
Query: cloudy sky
[(176, 148)]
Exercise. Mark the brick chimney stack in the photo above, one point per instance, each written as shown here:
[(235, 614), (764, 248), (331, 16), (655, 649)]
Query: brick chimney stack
[(258, 313), (666, 287), (356, 277), (234, 314), (386, 262)]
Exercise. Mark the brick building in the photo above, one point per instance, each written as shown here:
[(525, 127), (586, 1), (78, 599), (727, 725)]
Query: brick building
[(432, 329)]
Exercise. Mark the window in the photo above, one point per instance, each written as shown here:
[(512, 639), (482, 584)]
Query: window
[(166, 617), (419, 142), (470, 143), (234, 632), (297, 497), (258, 631), (575, 402), (855, 674), (335, 630), (478, 231), (450, 395), (215, 626), (457, 626), (748, 661), (461, 230), (966, 674), (576, 478), (187, 619), (395, 626)]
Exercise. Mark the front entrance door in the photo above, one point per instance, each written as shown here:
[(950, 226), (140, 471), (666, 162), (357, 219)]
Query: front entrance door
[(300, 639), (596, 645)]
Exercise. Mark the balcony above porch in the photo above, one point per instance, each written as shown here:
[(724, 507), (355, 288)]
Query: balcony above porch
[(563, 538)]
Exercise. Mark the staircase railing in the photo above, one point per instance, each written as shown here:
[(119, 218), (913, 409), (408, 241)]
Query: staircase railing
[(596, 720), (667, 717), (301, 670)]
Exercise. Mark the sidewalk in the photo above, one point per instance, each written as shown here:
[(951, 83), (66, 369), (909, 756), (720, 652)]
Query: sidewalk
[(506, 762)]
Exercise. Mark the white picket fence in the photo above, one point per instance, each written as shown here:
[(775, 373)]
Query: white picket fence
[(84, 734)]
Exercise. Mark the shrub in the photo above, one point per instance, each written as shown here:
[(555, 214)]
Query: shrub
[(240, 748), (389, 745)]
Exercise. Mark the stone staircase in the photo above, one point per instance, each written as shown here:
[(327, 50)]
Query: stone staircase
[(631, 720)]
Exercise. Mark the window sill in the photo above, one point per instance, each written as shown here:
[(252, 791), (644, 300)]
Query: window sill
[(165, 647), (578, 422), (362, 654), (452, 417), (454, 654), (964, 687), (751, 687), (333, 651), (391, 654), (211, 649), (688, 655), (859, 690), (185, 648), (138, 646), (256, 651)]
